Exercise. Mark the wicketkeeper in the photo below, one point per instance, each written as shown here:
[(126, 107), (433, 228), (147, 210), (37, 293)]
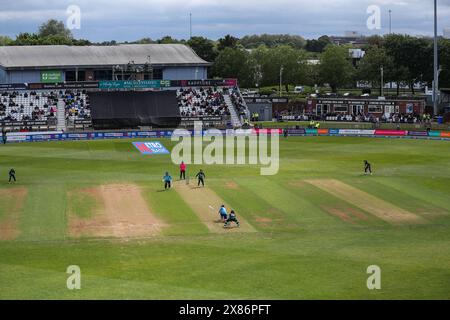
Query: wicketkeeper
[(231, 218)]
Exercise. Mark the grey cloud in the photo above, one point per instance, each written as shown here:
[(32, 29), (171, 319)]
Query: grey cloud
[(134, 19)]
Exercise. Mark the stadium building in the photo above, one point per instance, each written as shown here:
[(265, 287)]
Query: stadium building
[(112, 87), (55, 64)]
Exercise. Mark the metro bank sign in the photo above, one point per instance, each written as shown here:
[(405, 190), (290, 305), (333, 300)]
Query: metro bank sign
[(149, 148)]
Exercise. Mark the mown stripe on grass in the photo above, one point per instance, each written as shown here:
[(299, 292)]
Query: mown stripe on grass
[(335, 205), (414, 196), (206, 203), (376, 206), (298, 211), (44, 216), (168, 205), (255, 209)]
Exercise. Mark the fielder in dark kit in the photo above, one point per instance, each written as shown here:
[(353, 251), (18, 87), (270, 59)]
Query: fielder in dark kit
[(367, 167), (201, 178), (12, 175), (4, 136)]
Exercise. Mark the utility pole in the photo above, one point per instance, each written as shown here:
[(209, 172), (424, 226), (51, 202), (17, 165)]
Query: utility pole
[(281, 78), (435, 82), (382, 81), (390, 21), (190, 25)]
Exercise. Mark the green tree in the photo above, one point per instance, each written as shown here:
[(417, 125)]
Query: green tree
[(203, 47), (145, 41), (235, 63), (5, 41), (168, 40), (370, 66), (227, 42), (412, 58), (272, 41), (54, 28), (444, 61), (335, 67), (271, 60), (317, 45)]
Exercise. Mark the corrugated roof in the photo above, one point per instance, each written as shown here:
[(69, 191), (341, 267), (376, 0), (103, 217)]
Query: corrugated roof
[(62, 56)]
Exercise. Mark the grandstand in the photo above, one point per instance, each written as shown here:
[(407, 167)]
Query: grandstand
[(50, 87), (202, 102), (28, 106), (71, 109), (50, 64)]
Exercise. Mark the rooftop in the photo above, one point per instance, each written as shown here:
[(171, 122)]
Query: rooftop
[(32, 57)]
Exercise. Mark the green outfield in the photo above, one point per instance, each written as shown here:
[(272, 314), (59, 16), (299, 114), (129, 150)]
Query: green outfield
[(309, 232)]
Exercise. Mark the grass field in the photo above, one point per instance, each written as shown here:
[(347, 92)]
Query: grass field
[(309, 232)]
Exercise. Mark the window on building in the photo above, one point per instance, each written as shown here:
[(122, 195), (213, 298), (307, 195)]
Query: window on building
[(71, 75), (375, 109), (103, 74), (157, 75), (340, 108)]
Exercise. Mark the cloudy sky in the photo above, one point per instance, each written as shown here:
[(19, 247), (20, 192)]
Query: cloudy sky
[(123, 20)]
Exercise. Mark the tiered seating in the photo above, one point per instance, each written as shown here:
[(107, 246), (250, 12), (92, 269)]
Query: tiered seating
[(28, 106), (77, 104), (238, 102), (198, 102)]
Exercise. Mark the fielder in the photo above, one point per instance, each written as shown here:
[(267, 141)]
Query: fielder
[(201, 178), (167, 179), (367, 168), (4, 136), (231, 218), (12, 175)]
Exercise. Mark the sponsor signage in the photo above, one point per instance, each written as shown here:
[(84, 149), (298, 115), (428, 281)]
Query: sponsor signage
[(434, 133), (83, 122), (311, 131), (296, 132), (268, 131), (391, 133), (51, 76), (333, 131), (23, 123), (205, 83), (418, 133), (150, 148), (201, 119), (52, 80), (356, 132), (356, 102), (63, 85), (130, 84), (58, 135), (13, 86)]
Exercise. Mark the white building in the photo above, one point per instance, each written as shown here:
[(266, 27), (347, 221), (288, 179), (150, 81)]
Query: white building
[(447, 33)]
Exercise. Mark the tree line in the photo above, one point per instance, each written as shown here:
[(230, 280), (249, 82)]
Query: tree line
[(258, 60)]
